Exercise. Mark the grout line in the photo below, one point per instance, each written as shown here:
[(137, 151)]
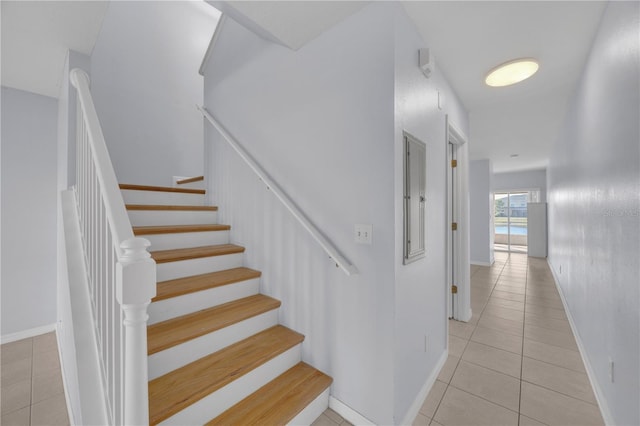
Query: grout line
[(485, 399), (524, 314)]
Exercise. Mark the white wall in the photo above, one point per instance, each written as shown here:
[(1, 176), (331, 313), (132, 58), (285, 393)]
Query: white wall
[(420, 287), (527, 180), (594, 210), (481, 218), (320, 120), (146, 85), (28, 211)]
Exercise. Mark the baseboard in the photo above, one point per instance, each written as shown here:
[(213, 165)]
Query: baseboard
[(476, 262), (25, 334), (414, 409), (602, 402), (65, 385), (348, 413)]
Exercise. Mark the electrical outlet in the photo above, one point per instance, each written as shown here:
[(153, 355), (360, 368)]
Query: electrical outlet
[(561, 269), (363, 234), (426, 343)]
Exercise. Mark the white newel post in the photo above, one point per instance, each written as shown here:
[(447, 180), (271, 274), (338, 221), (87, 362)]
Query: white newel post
[(136, 285)]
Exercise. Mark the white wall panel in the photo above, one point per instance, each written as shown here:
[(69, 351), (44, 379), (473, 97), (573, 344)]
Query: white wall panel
[(594, 210)]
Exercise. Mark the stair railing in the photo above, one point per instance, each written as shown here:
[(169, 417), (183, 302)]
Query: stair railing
[(121, 273), (315, 233)]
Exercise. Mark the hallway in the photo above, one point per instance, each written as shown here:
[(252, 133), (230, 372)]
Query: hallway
[(516, 362)]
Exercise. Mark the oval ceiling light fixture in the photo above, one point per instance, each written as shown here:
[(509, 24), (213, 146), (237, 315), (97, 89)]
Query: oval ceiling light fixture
[(511, 72)]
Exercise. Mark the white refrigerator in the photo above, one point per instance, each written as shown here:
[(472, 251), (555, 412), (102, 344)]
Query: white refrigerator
[(537, 229)]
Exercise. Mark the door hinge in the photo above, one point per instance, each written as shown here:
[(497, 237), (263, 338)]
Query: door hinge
[(454, 226), (454, 163), (454, 289)]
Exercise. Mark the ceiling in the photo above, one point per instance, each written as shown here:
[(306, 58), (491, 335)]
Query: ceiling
[(466, 38), (36, 36)]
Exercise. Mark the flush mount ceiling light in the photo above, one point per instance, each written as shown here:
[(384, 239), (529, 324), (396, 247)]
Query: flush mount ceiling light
[(511, 72)]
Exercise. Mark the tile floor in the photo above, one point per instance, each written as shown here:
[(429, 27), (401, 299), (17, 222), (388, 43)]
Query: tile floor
[(516, 362), (31, 384)]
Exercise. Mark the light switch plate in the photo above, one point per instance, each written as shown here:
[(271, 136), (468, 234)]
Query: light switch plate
[(363, 233)]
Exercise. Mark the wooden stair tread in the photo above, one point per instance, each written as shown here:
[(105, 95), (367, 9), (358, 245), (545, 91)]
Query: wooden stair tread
[(175, 331), (170, 207), (181, 286), (176, 229), (190, 180), (279, 401), (180, 388), (173, 255), (160, 188)]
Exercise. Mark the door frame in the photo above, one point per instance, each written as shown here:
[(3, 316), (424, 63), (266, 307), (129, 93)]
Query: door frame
[(457, 248)]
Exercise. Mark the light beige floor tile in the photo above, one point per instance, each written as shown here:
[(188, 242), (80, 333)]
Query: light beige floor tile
[(527, 421), (335, 417), (434, 423), (323, 420), (346, 423), (507, 295), (544, 301), (52, 411), (448, 369), (15, 372), (547, 311), (553, 408), (510, 288), (461, 329), (46, 385), (488, 384), (475, 316), (44, 362), (17, 418), (456, 346), (16, 396), (503, 303), (493, 358), (562, 339), (563, 380), (496, 323), (554, 355), (462, 408), (550, 323), (506, 313), (45, 342), (16, 351), (432, 400), (421, 420), (498, 339)]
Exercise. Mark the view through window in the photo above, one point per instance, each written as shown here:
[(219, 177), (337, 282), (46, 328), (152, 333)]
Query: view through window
[(510, 221)]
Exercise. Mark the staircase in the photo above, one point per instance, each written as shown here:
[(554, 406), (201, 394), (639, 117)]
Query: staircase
[(216, 353)]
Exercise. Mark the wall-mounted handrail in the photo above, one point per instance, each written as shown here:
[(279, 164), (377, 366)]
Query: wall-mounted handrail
[(315, 233), (120, 272)]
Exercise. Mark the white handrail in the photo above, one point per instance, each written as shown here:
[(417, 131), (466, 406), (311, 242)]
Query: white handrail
[(114, 205), (326, 245), (120, 271)]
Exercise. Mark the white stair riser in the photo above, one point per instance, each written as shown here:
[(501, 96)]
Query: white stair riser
[(187, 239), (163, 310), (161, 197), (170, 359), (216, 403), (172, 217), (203, 265), (191, 185), (312, 411)]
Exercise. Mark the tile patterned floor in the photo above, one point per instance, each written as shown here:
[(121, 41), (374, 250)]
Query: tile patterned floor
[(31, 384), (516, 362)]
